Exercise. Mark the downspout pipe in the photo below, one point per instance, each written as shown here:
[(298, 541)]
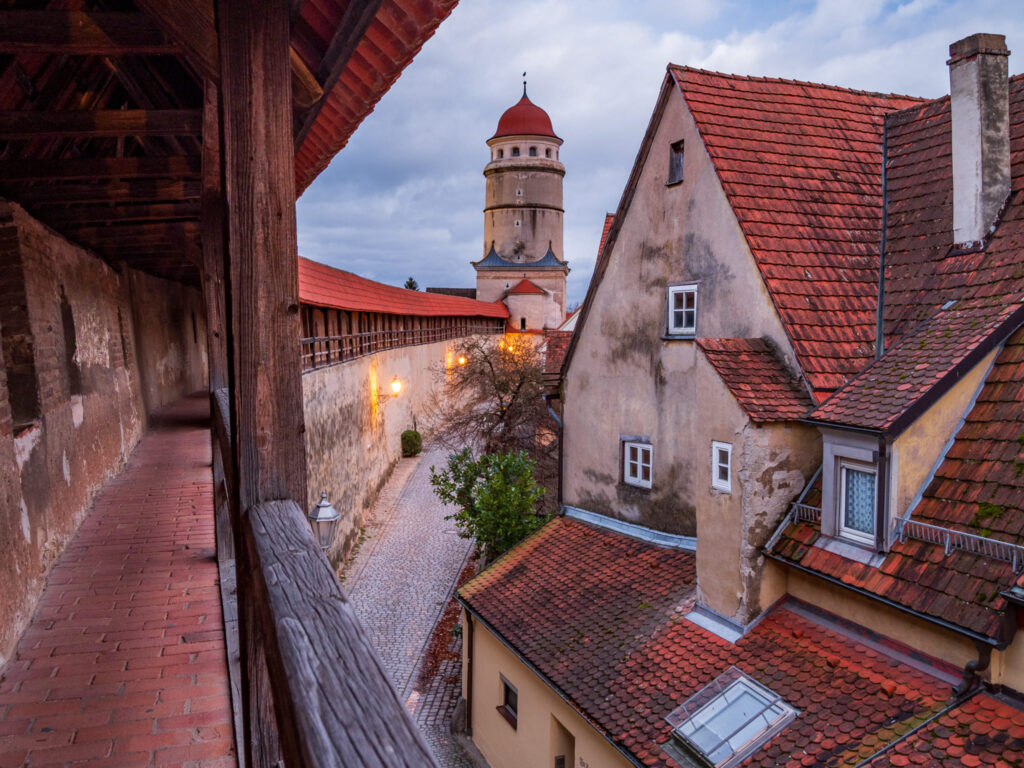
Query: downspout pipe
[(882, 497), (561, 432), (880, 312), (973, 668)]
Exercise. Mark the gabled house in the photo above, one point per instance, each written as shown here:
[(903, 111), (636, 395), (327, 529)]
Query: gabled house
[(793, 446)]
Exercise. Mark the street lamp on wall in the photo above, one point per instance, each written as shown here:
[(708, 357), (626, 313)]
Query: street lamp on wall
[(323, 519), (396, 385)]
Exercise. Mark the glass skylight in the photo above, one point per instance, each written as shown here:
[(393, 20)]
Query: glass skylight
[(730, 718)]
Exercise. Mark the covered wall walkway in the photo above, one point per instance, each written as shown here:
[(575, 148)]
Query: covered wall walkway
[(124, 661)]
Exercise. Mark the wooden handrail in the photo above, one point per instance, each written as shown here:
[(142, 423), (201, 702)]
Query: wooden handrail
[(334, 703)]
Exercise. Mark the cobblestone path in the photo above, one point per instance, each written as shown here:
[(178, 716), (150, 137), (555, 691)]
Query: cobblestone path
[(124, 662), (399, 582)]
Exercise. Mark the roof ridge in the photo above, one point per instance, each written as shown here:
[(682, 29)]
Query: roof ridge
[(787, 81)]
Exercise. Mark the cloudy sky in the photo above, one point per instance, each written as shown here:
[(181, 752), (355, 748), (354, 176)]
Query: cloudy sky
[(405, 197)]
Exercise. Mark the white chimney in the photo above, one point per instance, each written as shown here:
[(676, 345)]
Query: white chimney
[(979, 102)]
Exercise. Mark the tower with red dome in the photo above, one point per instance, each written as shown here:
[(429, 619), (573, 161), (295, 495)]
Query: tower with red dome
[(523, 262)]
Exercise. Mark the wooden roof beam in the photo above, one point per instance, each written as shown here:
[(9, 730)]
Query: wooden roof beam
[(89, 33), (140, 190), (99, 168), (190, 23), (109, 213), (82, 124)]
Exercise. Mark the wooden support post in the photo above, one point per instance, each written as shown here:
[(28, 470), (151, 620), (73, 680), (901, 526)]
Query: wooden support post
[(263, 307), (213, 238)]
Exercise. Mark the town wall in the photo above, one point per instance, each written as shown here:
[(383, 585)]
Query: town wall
[(625, 378), (76, 411), (539, 708), (354, 426)]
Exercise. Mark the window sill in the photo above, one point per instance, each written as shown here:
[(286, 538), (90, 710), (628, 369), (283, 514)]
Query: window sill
[(509, 716), (678, 336), (851, 550), (630, 486)]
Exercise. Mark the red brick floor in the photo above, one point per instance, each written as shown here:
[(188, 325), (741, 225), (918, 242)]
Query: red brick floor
[(124, 663)]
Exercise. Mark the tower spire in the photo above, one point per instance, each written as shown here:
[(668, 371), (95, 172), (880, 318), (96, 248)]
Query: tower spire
[(524, 85)]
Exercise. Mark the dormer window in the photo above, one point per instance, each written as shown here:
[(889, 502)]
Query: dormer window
[(851, 474), (682, 310), (857, 498)]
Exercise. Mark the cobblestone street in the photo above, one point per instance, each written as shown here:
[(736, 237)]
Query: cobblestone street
[(399, 581)]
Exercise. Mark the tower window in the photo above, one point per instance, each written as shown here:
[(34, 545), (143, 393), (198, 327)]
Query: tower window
[(501, 153), (547, 153), (675, 163), (533, 151), (518, 223), (519, 193), (515, 151)]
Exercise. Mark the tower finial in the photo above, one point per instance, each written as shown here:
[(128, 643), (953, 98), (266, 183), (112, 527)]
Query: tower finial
[(524, 85)]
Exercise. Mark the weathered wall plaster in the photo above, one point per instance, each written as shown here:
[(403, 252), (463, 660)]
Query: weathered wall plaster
[(354, 426)]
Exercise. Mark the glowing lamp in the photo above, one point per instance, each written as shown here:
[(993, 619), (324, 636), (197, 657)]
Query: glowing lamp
[(396, 386), (462, 359)]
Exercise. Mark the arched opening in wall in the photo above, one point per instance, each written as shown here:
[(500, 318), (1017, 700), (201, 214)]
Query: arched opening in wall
[(522, 323), (18, 343), (533, 151), (72, 373), (515, 151), (501, 153), (547, 152)]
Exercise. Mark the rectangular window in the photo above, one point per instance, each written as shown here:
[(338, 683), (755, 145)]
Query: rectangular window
[(636, 464), (675, 163), (721, 466), (857, 501), (509, 708), (682, 310)]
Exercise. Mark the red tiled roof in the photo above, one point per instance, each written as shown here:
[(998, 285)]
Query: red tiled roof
[(757, 378), (525, 286), (524, 118), (609, 219), (977, 488), (556, 343), (984, 730), (801, 166), (324, 286), (923, 273), (601, 616), (398, 30), (934, 353)]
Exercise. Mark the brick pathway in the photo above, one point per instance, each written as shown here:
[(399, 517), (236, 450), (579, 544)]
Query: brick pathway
[(123, 663), (399, 582)]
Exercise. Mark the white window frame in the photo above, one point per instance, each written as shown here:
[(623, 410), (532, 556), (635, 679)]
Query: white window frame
[(852, 533), (637, 479), (682, 330), (716, 482)]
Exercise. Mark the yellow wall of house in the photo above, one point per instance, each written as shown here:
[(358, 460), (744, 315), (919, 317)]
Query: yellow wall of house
[(533, 742), (1008, 665), (923, 443), (920, 635)]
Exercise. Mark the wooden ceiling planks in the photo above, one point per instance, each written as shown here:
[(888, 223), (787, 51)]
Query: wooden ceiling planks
[(100, 123)]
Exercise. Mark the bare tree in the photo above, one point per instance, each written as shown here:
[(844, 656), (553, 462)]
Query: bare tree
[(492, 400)]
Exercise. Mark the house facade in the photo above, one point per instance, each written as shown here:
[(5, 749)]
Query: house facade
[(793, 430)]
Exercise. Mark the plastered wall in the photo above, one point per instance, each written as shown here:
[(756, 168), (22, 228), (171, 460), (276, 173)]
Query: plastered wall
[(533, 742), (77, 409), (624, 377), (354, 426)]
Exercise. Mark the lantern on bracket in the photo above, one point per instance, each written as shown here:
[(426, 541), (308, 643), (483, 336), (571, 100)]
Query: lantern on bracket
[(323, 519), (396, 385)]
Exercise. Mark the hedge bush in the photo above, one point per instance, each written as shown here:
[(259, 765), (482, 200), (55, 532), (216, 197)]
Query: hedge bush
[(412, 443)]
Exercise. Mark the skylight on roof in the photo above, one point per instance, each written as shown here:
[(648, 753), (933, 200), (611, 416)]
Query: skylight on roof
[(730, 718)]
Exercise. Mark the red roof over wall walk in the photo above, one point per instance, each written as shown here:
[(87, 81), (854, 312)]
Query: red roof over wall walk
[(325, 286)]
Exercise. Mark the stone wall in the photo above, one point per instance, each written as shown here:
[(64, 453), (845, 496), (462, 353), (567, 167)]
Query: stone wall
[(71, 406), (354, 426)]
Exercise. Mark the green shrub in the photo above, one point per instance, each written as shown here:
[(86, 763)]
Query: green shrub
[(412, 443), (497, 498)]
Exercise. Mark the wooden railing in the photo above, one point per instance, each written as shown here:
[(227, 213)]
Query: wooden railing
[(313, 691), (318, 351)]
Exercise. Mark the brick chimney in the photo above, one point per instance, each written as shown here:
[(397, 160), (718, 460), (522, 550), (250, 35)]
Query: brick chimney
[(979, 101)]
